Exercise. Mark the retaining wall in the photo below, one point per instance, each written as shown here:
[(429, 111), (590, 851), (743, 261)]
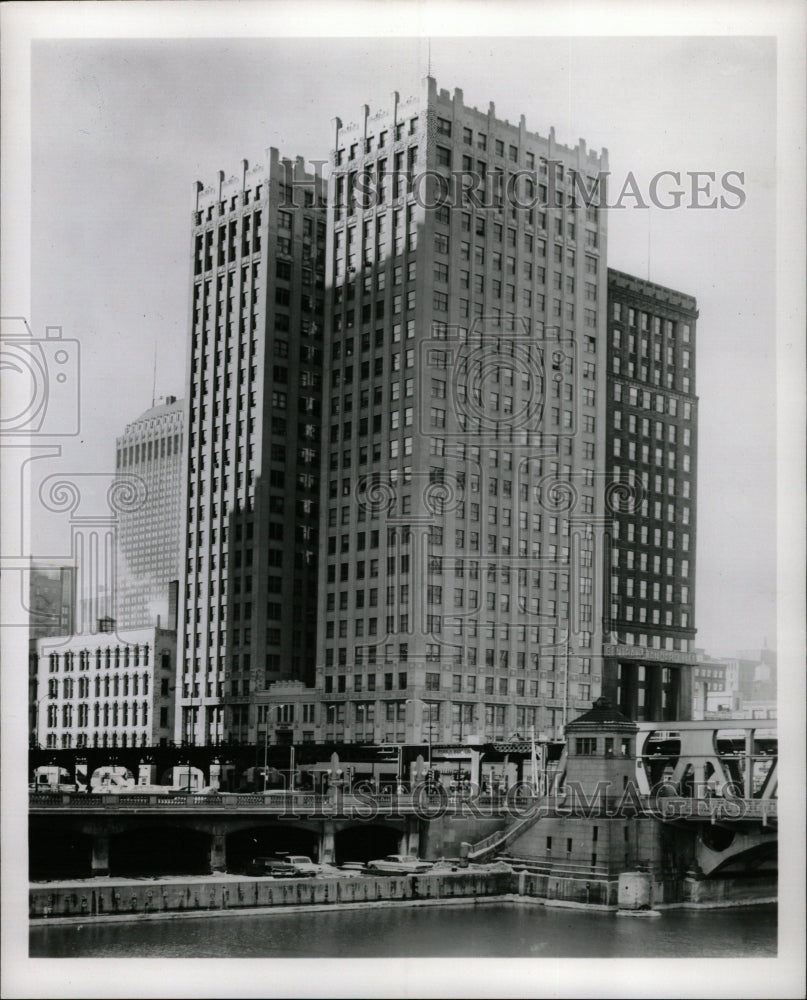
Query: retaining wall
[(119, 899), (174, 897)]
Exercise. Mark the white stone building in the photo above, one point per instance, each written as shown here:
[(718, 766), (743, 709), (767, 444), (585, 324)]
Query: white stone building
[(112, 688)]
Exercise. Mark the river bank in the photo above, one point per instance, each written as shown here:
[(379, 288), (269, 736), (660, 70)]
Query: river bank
[(116, 899)]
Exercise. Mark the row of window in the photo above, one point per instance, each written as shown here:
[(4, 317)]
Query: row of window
[(646, 347), (626, 613), (126, 713), (672, 379), (641, 534), (231, 204), (655, 457), (628, 559), (649, 589), (110, 685), (634, 424), (117, 656), (647, 322), (660, 402), (65, 741), (547, 636), (147, 451)]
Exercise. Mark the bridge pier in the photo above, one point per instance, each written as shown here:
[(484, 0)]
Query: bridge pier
[(410, 838), (327, 843), (217, 858), (100, 853)]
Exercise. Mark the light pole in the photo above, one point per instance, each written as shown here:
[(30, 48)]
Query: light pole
[(189, 737), (265, 748), (291, 747)]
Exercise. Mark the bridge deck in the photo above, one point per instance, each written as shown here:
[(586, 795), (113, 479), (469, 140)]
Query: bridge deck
[(715, 809)]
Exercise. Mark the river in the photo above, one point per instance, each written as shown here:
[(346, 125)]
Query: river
[(483, 930)]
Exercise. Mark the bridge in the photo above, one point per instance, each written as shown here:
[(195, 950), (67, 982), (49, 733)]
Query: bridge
[(711, 785), (715, 779), (130, 832)]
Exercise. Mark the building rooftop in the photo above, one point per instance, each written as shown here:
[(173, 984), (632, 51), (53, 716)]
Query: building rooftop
[(604, 714)]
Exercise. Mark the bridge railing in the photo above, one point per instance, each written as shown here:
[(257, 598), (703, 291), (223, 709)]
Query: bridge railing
[(305, 802), (716, 809)]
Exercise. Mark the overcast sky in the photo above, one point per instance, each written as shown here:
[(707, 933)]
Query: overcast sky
[(121, 131)]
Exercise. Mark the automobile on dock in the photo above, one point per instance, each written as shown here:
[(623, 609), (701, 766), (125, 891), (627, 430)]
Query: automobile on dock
[(399, 864)]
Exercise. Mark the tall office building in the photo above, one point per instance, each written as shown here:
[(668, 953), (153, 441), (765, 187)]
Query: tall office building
[(460, 593), (248, 588), (652, 438), (150, 534)]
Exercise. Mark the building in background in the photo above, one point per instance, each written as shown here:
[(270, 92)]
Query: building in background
[(715, 685), (50, 601), (740, 687), (651, 447), (51, 597), (150, 534), (252, 461), (757, 669), (460, 598), (110, 688)]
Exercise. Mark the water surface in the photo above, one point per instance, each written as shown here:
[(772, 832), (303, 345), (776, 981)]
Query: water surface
[(483, 930)]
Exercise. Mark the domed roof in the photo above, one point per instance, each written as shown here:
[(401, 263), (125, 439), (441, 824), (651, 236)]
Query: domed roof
[(603, 715)]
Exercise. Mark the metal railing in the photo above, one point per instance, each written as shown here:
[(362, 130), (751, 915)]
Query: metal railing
[(309, 802), (715, 809)]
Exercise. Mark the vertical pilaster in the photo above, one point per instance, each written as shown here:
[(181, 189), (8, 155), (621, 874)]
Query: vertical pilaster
[(217, 858), (100, 853)]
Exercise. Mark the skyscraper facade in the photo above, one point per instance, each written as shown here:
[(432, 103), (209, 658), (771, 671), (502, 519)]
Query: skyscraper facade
[(252, 461), (150, 534), (652, 438), (460, 593)]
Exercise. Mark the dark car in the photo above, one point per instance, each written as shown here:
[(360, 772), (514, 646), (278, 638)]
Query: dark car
[(277, 867)]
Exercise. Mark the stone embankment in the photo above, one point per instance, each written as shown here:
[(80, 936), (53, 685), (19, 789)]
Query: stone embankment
[(111, 898)]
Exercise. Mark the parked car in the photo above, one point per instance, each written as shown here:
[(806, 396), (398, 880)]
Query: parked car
[(274, 865), (399, 864), (303, 865), (353, 868)]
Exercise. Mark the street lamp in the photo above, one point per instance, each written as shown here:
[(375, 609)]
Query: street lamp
[(331, 708), (189, 731), (265, 747), (291, 748)]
